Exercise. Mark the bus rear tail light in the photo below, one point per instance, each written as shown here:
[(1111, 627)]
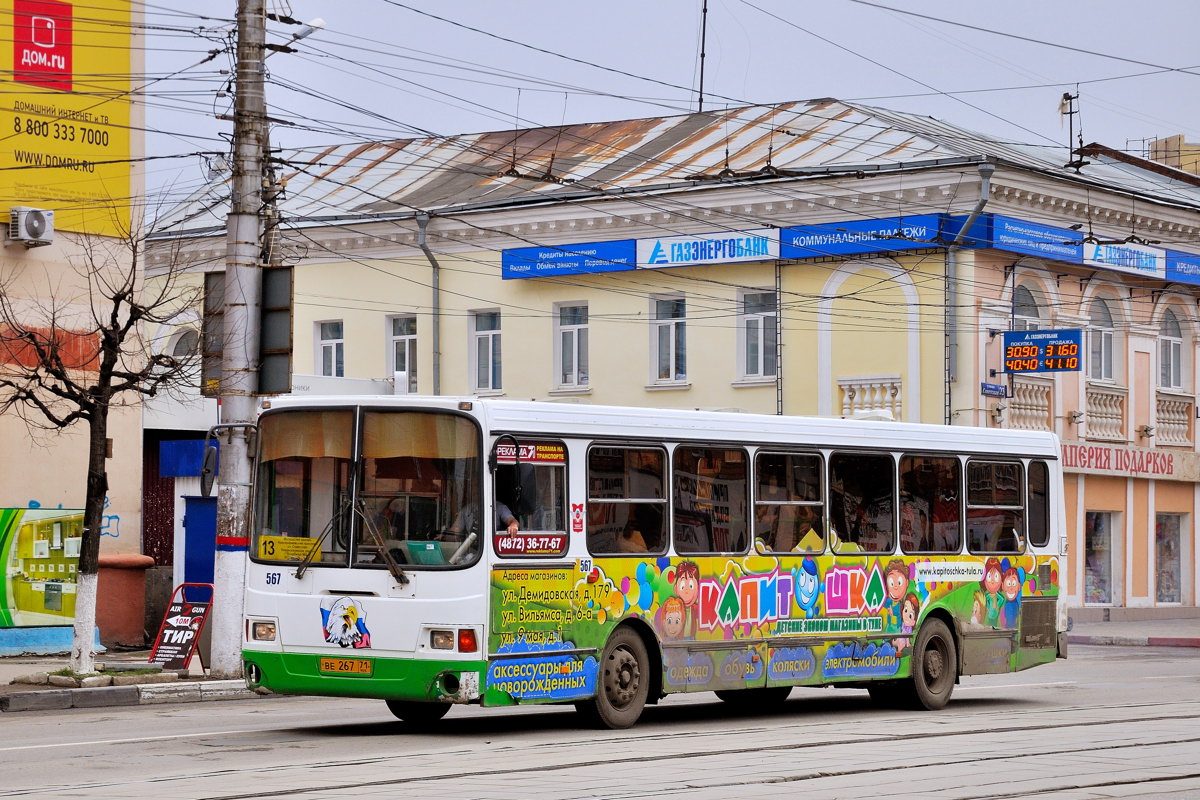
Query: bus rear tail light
[(466, 640), (441, 640)]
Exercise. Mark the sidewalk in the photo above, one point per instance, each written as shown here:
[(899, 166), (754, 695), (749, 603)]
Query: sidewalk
[(131, 689), (1182, 632)]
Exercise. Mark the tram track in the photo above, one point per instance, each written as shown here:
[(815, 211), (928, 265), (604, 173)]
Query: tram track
[(1128, 724)]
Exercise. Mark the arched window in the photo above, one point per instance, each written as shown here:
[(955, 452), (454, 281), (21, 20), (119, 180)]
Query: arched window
[(186, 344), (1025, 310), (1170, 352), (1100, 342)]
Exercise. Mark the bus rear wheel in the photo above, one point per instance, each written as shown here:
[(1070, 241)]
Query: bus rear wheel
[(624, 683), (934, 666), (417, 714)]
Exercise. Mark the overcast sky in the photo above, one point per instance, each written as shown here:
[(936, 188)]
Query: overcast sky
[(392, 68)]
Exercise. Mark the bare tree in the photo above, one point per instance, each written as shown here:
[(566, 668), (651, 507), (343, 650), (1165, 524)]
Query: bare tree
[(73, 349)]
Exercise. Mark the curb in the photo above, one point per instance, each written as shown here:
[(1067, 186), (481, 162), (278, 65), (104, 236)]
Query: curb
[(147, 694), (1136, 641)]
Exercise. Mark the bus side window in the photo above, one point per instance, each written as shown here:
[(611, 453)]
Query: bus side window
[(1038, 504), (930, 519), (710, 500), (995, 507), (626, 506), (789, 511), (536, 496), (862, 508)]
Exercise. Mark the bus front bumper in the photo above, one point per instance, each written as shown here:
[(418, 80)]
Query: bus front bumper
[(381, 678)]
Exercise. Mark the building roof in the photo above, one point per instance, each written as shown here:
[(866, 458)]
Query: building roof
[(785, 141)]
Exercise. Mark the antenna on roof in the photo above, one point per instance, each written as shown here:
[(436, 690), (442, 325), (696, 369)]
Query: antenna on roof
[(1067, 108)]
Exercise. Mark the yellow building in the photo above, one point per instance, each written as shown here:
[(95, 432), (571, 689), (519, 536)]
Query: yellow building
[(1175, 152), (69, 152), (814, 257)]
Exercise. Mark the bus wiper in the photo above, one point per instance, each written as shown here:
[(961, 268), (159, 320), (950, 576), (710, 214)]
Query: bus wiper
[(384, 551), (315, 550)]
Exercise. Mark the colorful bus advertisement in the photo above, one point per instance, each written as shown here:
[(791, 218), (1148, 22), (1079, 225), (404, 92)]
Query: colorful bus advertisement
[(755, 621)]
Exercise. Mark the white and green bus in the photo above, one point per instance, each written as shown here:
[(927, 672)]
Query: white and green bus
[(432, 551)]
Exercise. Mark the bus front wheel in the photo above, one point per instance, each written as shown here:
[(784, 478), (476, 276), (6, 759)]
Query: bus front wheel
[(934, 666), (624, 683), (417, 714)]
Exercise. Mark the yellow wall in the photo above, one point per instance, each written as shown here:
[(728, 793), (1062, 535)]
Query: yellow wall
[(69, 121), (83, 119), (877, 329)]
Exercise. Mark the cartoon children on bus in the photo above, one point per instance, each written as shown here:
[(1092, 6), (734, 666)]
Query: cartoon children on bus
[(687, 588), (808, 587), (1011, 590), (978, 608), (991, 582), (895, 579), (674, 616), (910, 609)]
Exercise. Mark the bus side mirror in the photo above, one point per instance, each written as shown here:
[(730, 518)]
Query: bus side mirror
[(208, 470)]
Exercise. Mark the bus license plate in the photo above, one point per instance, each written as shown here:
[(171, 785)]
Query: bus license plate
[(346, 666)]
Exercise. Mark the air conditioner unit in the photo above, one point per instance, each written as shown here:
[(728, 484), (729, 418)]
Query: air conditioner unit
[(32, 227)]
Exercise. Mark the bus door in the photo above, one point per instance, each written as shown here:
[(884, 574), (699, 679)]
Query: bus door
[(531, 607)]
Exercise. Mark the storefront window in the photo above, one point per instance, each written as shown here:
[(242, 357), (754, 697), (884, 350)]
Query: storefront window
[(1166, 558), (1097, 579)]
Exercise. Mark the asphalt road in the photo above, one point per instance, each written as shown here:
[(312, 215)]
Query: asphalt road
[(1108, 722)]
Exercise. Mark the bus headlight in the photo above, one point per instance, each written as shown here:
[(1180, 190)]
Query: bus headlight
[(441, 640), (263, 631)]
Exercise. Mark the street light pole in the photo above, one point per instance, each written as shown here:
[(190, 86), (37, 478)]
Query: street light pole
[(239, 379)]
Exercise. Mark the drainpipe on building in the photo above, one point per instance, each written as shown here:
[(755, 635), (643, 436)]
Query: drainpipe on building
[(422, 223), (985, 173), (778, 338)]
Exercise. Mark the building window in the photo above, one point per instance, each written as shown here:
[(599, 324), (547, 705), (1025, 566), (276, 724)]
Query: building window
[(402, 354), (670, 343), (1168, 565), (757, 319), (1170, 352), (212, 334), (572, 353), (485, 355), (1100, 342), (1098, 564), (186, 344), (1025, 315), (332, 349)]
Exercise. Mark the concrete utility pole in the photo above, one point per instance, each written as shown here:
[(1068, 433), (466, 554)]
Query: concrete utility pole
[(239, 379)]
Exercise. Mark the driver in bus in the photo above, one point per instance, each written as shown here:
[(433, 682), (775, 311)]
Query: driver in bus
[(466, 520)]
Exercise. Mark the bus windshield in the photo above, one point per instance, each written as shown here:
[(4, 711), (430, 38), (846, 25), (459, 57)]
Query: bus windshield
[(414, 490)]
